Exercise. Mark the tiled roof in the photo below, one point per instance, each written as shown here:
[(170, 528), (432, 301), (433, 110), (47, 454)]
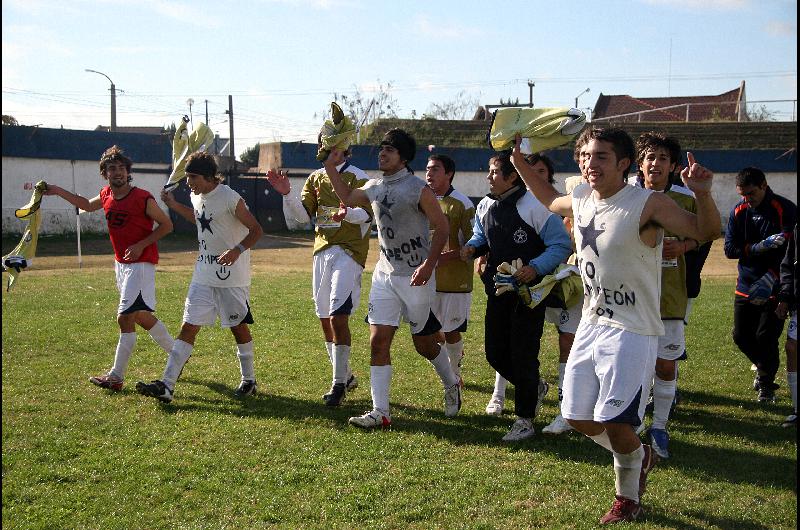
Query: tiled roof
[(723, 107)]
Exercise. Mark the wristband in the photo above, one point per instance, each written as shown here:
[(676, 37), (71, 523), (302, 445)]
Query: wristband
[(241, 248)]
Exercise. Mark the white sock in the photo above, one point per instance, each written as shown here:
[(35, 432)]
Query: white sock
[(442, 365), (380, 378), (663, 394), (500, 384), (627, 468), (602, 440), (246, 361), (562, 368), (181, 351), (341, 362), (455, 351), (161, 336), (791, 378), (123, 354), (329, 349)]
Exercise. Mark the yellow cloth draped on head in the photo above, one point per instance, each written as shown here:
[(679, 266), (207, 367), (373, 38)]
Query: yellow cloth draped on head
[(184, 144), (544, 128), (22, 255), (338, 132)]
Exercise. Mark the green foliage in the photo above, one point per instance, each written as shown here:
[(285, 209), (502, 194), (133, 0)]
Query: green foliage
[(75, 456), (9, 120), (249, 156)]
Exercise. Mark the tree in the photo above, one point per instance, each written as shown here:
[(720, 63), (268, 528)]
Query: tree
[(249, 156), (461, 107), (358, 105), (9, 120), (760, 113)]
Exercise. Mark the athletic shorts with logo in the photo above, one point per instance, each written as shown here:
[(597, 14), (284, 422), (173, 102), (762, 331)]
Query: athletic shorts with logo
[(792, 331), (672, 344), (136, 283), (205, 303), (566, 320), (607, 375), (452, 310), (336, 282), (392, 298)]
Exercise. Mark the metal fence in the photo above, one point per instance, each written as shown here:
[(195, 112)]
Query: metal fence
[(763, 110)]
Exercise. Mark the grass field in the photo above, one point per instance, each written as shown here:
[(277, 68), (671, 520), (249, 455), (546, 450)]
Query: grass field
[(75, 456)]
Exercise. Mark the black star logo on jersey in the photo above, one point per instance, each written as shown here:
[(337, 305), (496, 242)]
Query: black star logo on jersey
[(589, 236), (385, 207), (205, 224)]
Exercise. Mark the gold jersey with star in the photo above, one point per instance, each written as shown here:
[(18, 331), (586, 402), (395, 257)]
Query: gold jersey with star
[(456, 276)]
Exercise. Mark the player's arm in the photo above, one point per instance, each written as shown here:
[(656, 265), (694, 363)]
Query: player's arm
[(348, 195), (87, 205), (292, 207), (541, 189), (154, 212), (441, 227), (182, 210), (254, 233)]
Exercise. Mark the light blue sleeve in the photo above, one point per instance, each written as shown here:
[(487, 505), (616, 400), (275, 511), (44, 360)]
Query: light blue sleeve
[(558, 246), (478, 238)]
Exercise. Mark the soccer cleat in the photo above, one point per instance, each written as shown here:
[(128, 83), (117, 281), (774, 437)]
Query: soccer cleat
[(495, 406), (790, 421), (352, 383), (522, 429), (558, 426), (156, 389), (543, 389), (649, 461), (659, 441), (452, 400), (111, 382), (766, 392), (246, 388), (756, 386), (371, 420), (622, 510), (337, 394)]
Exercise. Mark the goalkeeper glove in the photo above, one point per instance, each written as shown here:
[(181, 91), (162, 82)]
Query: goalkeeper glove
[(504, 283), (761, 290), (772, 242)]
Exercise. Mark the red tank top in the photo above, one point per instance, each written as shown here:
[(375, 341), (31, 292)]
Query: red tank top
[(128, 223)]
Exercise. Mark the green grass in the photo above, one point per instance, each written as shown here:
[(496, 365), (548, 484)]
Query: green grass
[(75, 456)]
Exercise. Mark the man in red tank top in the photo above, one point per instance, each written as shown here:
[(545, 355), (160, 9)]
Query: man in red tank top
[(130, 213)]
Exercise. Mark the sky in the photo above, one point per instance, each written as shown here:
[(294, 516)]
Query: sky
[(282, 60)]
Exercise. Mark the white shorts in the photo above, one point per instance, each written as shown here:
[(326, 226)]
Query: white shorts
[(566, 320), (452, 310), (136, 283), (672, 344), (205, 303), (791, 333), (392, 298), (336, 282), (608, 374)]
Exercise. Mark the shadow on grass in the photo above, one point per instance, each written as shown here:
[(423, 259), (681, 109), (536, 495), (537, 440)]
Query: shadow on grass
[(706, 520)]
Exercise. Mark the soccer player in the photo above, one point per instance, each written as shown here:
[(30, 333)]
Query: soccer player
[(130, 214), (220, 286), (657, 157), (758, 227), (618, 236), (787, 306), (453, 276), (510, 224), (403, 283), (341, 242)]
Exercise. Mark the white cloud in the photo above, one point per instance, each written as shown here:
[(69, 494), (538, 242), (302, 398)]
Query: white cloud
[(782, 29)]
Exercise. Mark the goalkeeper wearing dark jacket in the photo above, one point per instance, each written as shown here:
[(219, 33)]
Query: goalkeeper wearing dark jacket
[(758, 228)]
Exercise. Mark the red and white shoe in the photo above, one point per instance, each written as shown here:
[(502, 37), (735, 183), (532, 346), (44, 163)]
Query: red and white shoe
[(371, 420), (622, 510), (649, 461), (111, 382)]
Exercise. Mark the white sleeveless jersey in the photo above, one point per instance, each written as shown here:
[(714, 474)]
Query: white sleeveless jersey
[(219, 230), (621, 275)]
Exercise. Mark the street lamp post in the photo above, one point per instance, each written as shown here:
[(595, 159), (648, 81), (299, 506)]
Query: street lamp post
[(579, 95), (190, 102), (113, 100)]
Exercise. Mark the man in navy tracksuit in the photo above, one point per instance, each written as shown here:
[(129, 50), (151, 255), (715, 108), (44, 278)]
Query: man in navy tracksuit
[(509, 224), (758, 228)]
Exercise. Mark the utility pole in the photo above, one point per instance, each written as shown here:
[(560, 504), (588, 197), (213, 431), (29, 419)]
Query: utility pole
[(206, 112), (531, 84), (229, 112), (113, 127)]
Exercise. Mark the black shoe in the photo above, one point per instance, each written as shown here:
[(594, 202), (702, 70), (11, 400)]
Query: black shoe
[(756, 385), (766, 392), (337, 394), (352, 384), (246, 388), (156, 389)]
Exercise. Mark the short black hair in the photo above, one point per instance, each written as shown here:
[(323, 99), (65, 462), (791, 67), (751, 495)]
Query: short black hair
[(448, 164), (115, 154), (506, 166), (402, 141), (621, 142), (750, 176), (535, 158), (202, 163)]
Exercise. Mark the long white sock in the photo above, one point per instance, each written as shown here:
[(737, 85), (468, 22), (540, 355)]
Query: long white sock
[(791, 378), (329, 349), (341, 362), (562, 368), (380, 379), (246, 361), (602, 440), (162, 337), (442, 365), (500, 384), (181, 351), (455, 351), (663, 394), (627, 468), (125, 346)]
